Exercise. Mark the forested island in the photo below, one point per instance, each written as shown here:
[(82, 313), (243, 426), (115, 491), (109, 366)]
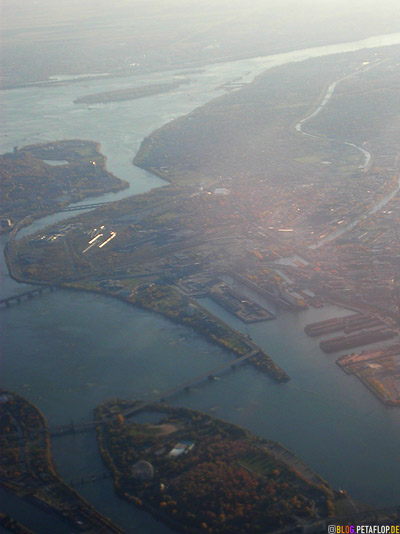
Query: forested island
[(40, 179), (200, 474), (129, 93)]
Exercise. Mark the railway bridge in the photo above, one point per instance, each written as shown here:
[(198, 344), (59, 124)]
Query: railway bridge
[(26, 294), (84, 206)]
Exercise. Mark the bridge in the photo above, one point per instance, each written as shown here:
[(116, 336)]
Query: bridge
[(84, 206), (88, 479), (72, 428), (89, 426), (210, 375), (26, 294)]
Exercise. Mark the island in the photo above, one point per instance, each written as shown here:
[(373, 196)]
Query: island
[(200, 474), (44, 178), (27, 469), (130, 93)]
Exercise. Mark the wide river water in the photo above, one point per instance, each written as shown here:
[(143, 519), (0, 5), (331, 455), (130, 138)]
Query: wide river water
[(68, 351)]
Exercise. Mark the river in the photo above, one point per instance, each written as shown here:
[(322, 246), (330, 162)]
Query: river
[(68, 351)]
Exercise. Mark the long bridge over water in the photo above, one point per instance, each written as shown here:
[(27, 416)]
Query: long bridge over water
[(84, 206), (26, 294), (209, 375)]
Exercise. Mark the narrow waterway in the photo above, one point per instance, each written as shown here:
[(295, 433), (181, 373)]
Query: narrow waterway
[(299, 127), (68, 351)]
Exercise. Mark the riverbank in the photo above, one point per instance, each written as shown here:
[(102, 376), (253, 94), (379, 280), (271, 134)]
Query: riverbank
[(152, 294)]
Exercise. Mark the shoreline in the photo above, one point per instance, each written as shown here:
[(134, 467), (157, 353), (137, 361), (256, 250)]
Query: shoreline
[(114, 186), (279, 453), (261, 361)]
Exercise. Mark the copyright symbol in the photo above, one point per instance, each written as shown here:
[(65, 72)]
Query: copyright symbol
[(331, 529)]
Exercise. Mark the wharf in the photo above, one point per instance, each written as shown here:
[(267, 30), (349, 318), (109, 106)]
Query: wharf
[(239, 305), (349, 362), (356, 340)]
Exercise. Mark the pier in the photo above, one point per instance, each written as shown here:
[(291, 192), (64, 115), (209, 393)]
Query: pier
[(26, 294)]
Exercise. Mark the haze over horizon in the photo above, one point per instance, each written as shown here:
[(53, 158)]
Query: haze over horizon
[(43, 38)]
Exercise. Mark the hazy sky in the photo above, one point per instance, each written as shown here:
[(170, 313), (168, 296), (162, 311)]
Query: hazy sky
[(56, 11), (45, 37)]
